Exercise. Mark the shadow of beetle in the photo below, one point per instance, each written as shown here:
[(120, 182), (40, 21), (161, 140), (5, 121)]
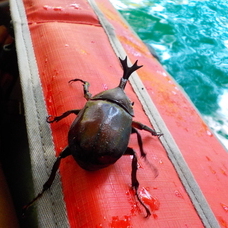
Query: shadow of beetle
[(100, 133)]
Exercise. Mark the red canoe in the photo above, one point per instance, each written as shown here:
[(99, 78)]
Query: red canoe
[(61, 40)]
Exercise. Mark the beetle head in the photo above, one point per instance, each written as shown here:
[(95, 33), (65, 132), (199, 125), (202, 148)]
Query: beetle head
[(117, 95)]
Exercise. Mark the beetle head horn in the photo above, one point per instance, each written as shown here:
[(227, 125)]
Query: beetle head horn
[(127, 71)]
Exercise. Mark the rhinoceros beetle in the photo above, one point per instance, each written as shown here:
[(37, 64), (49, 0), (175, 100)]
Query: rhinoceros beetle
[(99, 135)]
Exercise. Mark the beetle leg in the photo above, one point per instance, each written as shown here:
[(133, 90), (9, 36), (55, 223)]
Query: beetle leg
[(87, 94), (141, 126), (66, 152), (52, 119), (143, 154), (134, 181)]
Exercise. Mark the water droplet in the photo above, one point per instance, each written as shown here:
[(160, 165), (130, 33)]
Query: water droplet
[(74, 5), (49, 97), (160, 161), (223, 172), (117, 223), (153, 203), (135, 209), (212, 170), (222, 222), (77, 209), (209, 133), (59, 150), (178, 194), (131, 199), (46, 7), (155, 216), (83, 51), (57, 8), (164, 74), (139, 166), (66, 45), (224, 206), (105, 86)]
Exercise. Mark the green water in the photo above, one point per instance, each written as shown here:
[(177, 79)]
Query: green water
[(191, 39)]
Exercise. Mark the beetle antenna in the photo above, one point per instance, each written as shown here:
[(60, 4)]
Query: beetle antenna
[(127, 71)]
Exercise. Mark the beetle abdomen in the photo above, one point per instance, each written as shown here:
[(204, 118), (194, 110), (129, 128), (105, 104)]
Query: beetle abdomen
[(100, 134)]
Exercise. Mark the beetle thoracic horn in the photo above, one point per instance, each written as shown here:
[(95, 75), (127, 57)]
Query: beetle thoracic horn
[(127, 71)]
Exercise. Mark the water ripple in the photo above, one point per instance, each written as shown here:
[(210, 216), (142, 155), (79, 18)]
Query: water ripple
[(191, 39)]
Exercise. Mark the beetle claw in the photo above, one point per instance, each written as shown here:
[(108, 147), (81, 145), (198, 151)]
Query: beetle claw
[(50, 119), (77, 79), (159, 134), (148, 213)]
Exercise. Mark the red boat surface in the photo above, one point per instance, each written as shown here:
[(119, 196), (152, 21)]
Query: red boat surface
[(61, 40)]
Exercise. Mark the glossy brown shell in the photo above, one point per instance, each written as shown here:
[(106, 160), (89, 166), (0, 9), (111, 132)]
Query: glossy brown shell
[(100, 134)]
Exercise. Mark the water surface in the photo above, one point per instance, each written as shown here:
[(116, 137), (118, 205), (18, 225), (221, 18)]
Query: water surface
[(191, 39)]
